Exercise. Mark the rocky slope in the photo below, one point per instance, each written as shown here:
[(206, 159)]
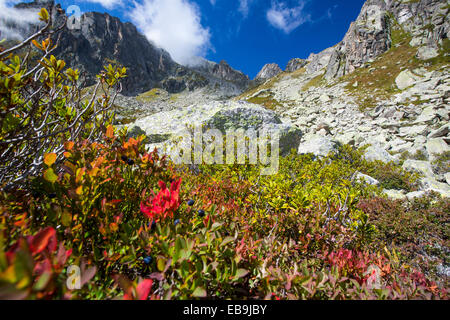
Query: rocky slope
[(386, 84)]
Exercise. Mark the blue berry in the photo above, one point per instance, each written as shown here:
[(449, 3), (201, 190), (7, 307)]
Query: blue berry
[(190, 202), (124, 158), (176, 222), (148, 260), (130, 162), (52, 195), (201, 213)]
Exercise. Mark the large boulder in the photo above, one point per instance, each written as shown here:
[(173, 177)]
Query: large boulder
[(435, 147), (406, 79), (224, 116), (427, 52), (376, 152)]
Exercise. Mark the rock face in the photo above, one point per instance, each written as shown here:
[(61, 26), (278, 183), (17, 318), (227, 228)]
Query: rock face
[(217, 72), (370, 35), (226, 116), (366, 38), (101, 38), (295, 64), (268, 71)]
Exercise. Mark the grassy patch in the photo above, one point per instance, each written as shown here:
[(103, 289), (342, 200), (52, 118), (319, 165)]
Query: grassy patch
[(267, 101), (150, 95), (269, 84), (314, 82), (441, 164)]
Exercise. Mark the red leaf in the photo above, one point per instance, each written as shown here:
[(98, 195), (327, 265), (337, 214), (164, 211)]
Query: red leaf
[(44, 239), (143, 289)]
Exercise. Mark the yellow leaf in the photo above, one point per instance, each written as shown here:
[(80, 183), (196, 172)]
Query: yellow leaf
[(43, 15), (50, 159), (79, 190)]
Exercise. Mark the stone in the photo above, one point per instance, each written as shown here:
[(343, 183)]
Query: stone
[(376, 152), (324, 98), (406, 79), (427, 116), (427, 53), (430, 184), (447, 177), (435, 147), (413, 130), (295, 64), (134, 131), (395, 194), (440, 132), (415, 194), (367, 179), (422, 167), (317, 145)]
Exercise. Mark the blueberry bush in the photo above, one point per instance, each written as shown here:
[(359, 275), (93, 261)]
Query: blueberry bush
[(140, 227)]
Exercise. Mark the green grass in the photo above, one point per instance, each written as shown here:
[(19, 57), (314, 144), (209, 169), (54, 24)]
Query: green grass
[(314, 82), (150, 95), (268, 102)]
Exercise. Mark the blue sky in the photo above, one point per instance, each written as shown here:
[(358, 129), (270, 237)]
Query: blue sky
[(245, 33)]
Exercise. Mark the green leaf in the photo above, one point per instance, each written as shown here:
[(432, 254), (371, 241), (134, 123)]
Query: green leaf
[(199, 292), (240, 273), (226, 241), (50, 175)]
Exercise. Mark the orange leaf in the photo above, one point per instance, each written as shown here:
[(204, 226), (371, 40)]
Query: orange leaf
[(50, 159), (69, 145), (110, 132)]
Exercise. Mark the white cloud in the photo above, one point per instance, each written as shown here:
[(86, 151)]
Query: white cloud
[(285, 18), (174, 25), (11, 18), (244, 7), (213, 2), (108, 4)]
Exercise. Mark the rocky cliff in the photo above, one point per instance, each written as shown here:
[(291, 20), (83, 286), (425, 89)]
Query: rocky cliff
[(269, 70), (374, 31), (99, 38)]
